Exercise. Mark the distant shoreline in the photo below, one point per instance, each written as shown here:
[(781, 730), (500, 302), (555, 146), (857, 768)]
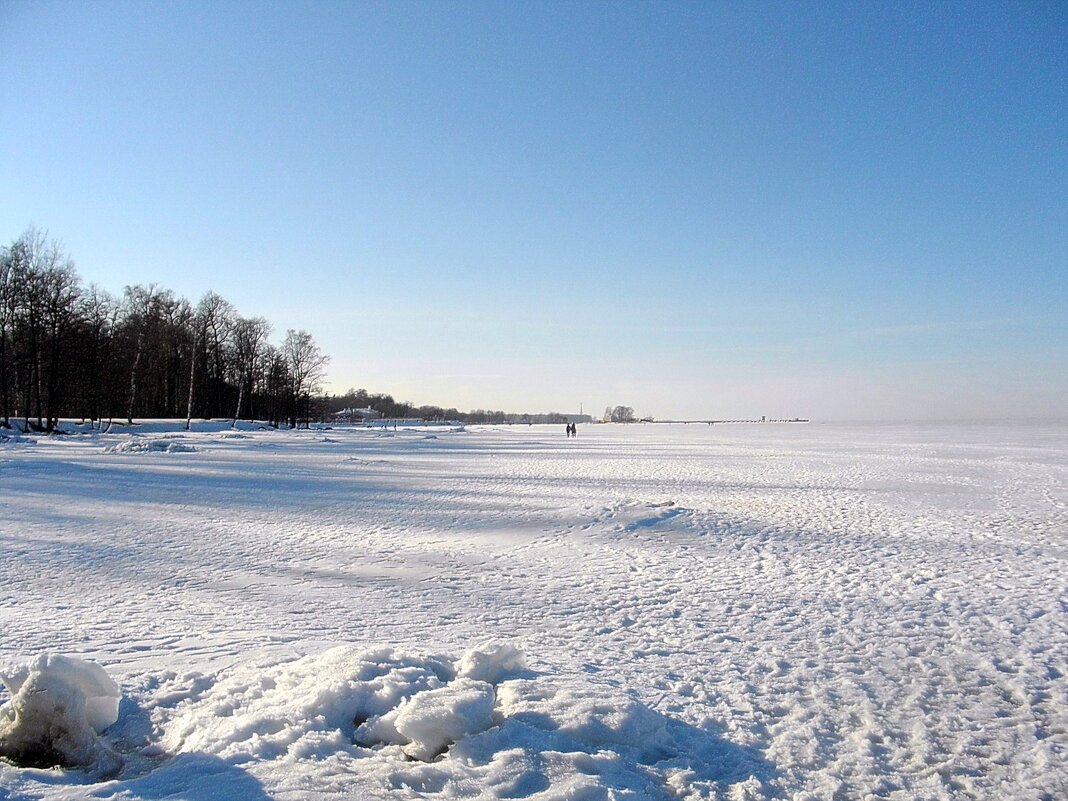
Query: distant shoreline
[(725, 422)]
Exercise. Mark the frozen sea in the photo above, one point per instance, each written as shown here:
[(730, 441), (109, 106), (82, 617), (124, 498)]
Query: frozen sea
[(803, 611)]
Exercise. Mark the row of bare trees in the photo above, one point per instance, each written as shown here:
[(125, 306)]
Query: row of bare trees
[(72, 351), (338, 406)]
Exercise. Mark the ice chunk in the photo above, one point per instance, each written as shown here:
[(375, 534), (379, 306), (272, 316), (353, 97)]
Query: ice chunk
[(100, 691), (58, 706), (431, 721), (491, 661)]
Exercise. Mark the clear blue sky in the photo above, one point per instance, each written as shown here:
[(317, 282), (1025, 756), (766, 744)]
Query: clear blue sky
[(829, 210)]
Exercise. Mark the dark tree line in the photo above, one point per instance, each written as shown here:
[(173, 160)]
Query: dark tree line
[(390, 409), (386, 406), (72, 351)]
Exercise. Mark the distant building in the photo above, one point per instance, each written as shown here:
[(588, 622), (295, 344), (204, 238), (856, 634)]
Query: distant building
[(355, 415)]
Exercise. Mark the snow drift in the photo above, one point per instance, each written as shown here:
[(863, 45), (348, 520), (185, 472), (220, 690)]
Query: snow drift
[(58, 706), (423, 722), (150, 446)]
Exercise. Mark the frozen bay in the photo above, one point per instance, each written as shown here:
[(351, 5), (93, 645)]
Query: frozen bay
[(753, 611)]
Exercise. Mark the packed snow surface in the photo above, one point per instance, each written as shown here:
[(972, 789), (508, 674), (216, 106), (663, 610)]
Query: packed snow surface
[(642, 612)]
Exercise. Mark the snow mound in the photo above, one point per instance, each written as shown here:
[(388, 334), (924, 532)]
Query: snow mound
[(58, 706), (307, 708), (557, 742), (150, 446), (490, 661), (346, 696), (396, 720)]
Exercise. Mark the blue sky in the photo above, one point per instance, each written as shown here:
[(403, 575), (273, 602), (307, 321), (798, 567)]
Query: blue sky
[(828, 210)]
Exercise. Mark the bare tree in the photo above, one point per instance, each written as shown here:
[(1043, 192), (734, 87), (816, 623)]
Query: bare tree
[(38, 301), (249, 337), (27, 297), (277, 385), (8, 258), (65, 350), (307, 366), (98, 318), (60, 292), (155, 323)]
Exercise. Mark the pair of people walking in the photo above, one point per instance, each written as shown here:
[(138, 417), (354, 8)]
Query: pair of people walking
[(572, 429)]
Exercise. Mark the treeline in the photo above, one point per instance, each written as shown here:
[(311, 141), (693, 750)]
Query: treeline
[(387, 408), (385, 405), (67, 350)]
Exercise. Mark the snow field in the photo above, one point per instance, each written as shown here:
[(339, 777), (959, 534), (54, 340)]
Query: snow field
[(736, 612)]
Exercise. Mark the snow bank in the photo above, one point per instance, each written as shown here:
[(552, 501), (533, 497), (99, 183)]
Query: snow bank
[(400, 720), (421, 704), (377, 717), (58, 706), (163, 426), (307, 708), (150, 446)]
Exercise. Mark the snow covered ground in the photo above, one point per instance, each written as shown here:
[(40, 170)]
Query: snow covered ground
[(736, 612)]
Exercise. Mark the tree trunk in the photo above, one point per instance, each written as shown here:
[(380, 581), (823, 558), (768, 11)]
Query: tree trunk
[(133, 382), (52, 402), (37, 383), (192, 376), (5, 396), (240, 398)]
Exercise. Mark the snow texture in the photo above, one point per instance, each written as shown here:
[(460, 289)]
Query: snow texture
[(799, 612)]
